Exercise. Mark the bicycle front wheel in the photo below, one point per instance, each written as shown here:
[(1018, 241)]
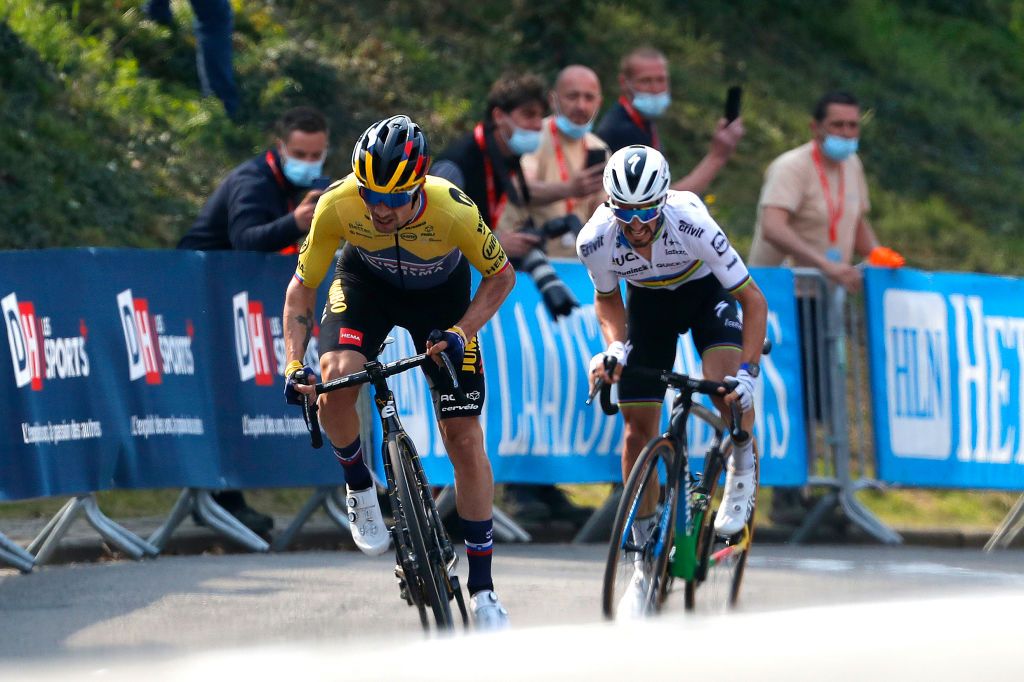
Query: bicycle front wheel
[(641, 540), (723, 560), (426, 556)]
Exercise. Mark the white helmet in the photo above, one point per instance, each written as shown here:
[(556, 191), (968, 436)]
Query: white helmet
[(636, 175)]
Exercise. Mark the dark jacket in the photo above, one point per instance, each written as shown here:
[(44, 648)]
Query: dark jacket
[(618, 130), (467, 156), (250, 211)]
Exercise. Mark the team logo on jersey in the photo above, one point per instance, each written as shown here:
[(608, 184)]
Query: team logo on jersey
[(259, 340), (591, 246), (352, 337), (37, 354), (692, 230), (460, 196), (720, 243), (152, 352), (491, 247)]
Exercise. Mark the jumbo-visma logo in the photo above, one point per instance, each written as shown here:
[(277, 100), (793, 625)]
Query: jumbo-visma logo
[(37, 354), (152, 353)]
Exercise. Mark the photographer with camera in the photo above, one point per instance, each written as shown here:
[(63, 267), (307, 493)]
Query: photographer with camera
[(485, 164)]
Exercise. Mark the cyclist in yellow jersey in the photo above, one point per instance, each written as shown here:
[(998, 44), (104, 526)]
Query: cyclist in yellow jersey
[(409, 239)]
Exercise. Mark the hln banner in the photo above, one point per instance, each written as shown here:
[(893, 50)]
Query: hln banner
[(946, 355)]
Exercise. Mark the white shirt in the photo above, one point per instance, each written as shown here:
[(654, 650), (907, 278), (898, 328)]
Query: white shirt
[(688, 245)]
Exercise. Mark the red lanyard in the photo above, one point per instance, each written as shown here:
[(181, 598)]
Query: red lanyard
[(640, 121), (563, 167), (272, 162), (497, 206), (835, 208)]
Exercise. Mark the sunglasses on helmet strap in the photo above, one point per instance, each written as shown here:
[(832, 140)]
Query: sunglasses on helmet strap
[(389, 199)]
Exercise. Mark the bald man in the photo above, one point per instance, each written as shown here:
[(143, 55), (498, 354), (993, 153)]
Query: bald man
[(559, 178)]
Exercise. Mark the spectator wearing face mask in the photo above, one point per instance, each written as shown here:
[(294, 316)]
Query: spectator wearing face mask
[(265, 204), (645, 96)]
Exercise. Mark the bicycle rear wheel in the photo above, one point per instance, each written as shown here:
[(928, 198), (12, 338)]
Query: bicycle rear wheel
[(638, 555), (427, 558), (723, 559)]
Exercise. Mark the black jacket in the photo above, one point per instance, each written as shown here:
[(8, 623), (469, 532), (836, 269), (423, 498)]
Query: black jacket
[(250, 211), (467, 156)]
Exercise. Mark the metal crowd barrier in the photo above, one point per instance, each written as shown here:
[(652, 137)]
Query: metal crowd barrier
[(840, 450)]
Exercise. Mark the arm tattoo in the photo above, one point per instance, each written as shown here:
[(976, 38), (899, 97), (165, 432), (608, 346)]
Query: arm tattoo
[(307, 322)]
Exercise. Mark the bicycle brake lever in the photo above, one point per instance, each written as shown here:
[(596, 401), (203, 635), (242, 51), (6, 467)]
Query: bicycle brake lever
[(309, 413), (450, 368)]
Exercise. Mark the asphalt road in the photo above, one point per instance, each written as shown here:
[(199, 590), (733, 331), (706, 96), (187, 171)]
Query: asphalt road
[(181, 605)]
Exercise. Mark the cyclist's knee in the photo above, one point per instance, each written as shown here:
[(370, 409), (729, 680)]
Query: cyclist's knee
[(462, 436)]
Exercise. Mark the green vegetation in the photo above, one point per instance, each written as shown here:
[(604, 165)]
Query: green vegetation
[(105, 141)]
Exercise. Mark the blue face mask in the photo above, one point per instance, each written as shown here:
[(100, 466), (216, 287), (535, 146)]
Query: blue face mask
[(651, 105), (523, 141), (301, 173), (573, 130), (839, 148)]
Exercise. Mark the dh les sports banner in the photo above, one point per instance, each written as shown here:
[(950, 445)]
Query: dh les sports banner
[(946, 353)]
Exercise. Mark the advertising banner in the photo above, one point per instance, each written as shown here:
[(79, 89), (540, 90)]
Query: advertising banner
[(946, 352), (156, 369)]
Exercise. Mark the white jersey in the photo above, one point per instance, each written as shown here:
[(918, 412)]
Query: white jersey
[(688, 245)]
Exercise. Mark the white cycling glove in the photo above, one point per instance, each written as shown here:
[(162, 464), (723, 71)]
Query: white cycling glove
[(616, 349), (744, 388)]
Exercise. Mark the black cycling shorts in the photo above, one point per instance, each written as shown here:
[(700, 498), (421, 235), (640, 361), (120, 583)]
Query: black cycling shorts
[(362, 309), (656, 317)]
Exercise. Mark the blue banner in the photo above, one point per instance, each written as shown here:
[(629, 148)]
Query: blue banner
[(538, 429), (946, 352), (156, 369)]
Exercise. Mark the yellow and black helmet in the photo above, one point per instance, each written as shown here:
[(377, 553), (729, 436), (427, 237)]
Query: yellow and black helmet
[(391, 156)]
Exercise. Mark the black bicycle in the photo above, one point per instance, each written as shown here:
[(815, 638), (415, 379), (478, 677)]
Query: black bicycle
[(681, 542), (424, 558)]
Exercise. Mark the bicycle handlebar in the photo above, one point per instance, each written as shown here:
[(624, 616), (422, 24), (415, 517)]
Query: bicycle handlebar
[(310, 408)]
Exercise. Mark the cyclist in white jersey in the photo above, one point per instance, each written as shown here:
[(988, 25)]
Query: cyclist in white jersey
[(682, 275)]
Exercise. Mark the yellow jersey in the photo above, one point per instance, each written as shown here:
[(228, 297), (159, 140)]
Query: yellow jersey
[(420, 255)]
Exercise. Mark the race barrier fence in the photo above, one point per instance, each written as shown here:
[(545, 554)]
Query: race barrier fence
[(161, 369)]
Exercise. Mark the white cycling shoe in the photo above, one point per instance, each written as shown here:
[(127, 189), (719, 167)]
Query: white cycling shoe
[(737, 502), (631, 604), (366, 522), (488, 613)]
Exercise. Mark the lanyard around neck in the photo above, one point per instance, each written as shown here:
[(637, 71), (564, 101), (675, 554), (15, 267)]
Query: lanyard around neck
[(563, 165), (495, 205), (641, 122), (835, 207)]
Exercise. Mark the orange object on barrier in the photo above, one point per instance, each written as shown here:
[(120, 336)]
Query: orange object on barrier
[(884, 257)]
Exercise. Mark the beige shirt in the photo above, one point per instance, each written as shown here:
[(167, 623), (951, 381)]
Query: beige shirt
[(792, 183), (542, 165)]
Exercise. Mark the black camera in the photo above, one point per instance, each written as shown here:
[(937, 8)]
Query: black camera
[(558, 299)]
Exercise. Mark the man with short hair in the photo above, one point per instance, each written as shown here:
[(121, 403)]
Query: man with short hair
[(644, 86), (812, 212), (265, 204), (422, 283), (813, 207)]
